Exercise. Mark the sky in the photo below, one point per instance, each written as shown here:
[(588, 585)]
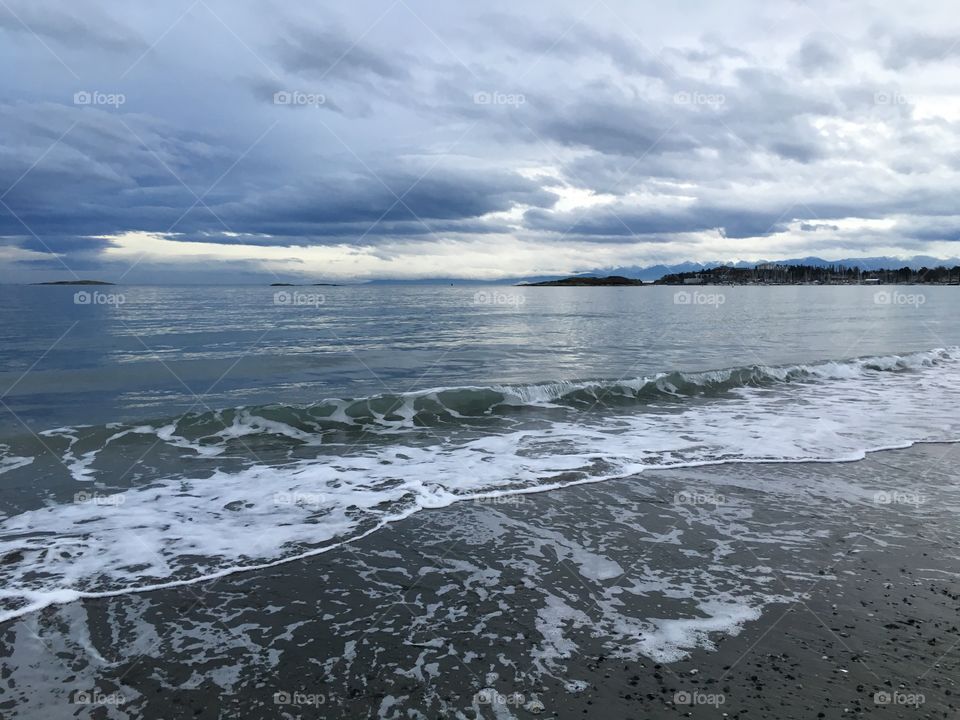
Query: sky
[(215, 141)]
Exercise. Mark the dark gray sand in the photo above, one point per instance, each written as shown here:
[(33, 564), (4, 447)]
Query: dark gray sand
[(740, 591)]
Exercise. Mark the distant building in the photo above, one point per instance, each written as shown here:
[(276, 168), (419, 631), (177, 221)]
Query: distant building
[(871, 281), (693, 281)]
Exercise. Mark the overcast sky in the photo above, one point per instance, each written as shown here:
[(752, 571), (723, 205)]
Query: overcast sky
[(206, 140)]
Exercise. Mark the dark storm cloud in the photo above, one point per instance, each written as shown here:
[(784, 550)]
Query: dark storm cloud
[(558, 41), (391, 204), (820, 54), (612, 223), (328, 52), (619, 223), (905, 48), (712, 51), (290, 233), (759, 113), (944, 229), (68, 25), (103, 173), (79, 171), (614, 126)]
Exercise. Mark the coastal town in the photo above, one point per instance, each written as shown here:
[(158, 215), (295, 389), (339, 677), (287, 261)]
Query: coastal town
[(776, 274)]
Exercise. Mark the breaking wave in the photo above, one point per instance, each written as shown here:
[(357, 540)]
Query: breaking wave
[(217, 493)]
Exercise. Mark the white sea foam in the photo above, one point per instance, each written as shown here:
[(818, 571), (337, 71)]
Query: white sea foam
[(181, 530), (672, 638), (12, 462)]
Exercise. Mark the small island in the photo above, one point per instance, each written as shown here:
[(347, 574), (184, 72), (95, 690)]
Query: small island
[(279, 284), (75, 282), (583, 281)]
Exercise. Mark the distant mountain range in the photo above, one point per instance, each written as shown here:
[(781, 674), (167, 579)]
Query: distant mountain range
[(655, 272)]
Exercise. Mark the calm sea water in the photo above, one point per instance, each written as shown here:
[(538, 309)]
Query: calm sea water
[(165, 350), (152, 436)]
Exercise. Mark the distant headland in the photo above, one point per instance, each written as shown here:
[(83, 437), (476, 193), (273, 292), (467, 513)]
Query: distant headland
[(609, 281)]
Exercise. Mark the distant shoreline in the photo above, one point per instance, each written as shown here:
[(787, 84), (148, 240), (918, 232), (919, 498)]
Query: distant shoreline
[(777, 274), (774, 274), (610, 281), (74, 282)]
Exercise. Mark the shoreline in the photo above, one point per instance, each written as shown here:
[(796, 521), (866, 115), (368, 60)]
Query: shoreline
[(763, 598), (71, 596)]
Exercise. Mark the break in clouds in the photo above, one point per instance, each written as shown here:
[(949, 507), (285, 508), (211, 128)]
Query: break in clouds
[(412, 138)]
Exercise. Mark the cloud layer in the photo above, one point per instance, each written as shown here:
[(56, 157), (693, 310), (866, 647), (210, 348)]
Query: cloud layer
[(415, 138)]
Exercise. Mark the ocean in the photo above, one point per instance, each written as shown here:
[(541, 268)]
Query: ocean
[(160, 439)]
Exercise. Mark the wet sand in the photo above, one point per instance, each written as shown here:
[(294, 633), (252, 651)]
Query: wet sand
[(745, 591)]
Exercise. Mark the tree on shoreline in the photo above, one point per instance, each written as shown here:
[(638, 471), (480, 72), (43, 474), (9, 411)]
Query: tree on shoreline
[(775, 274)]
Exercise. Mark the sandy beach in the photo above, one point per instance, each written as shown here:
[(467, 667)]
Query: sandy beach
[(744, 590)]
